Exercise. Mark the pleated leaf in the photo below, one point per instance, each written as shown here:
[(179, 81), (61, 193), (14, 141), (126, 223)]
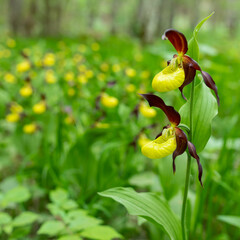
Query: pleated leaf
[(148, 206), (205, 108)]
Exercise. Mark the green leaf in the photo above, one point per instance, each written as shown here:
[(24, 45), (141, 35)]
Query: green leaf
[(8, 229), (100, 233), (198, 27), (4, 218), (51, 228), (58, 196), (25, 218), (148, 206), (83, 222), (205, 108), (232, 220), (70, 237), (193, 48), (69, 204), (77, 213), (16, 195)]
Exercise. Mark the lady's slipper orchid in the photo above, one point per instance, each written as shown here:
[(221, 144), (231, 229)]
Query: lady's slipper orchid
[(181, 70), (172, 140)]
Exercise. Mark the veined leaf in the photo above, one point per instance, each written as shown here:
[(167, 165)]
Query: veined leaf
[(204, 110), (148, 206)]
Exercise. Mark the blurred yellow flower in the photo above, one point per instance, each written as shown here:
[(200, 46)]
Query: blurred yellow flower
[(101, 77), (82, 68), (40, 107), (10, 78), (145, 74), (82, 79), (23, 66), (6, 53), (49, 60), (102, 125), (147, 111), (116, 68), (82, 48), (108, 101), (95, 47), (50, 77), (16, 108), (69, 120), (11, 43), (77, 58), (30, 128), (143, 140), (71, 92), (69, 76), (104, 67), (26, 51), (130, 72), (130, 88), (89, 73), (26, 90), (12, 117)]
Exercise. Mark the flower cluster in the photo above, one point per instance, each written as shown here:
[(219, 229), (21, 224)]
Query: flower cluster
[(180, 72)]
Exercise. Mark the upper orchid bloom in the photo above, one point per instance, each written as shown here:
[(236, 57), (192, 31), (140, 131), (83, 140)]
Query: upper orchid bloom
[(181, 70), (172, 140)]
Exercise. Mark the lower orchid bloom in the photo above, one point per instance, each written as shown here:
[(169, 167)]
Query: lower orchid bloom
[(181, 70), (172, 140)]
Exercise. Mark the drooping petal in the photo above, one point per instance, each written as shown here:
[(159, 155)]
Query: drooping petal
[(177, 39), (190, 73), (193, 153), (168, 79), (210, 83), (159, 147), (190, 66), (181, 140), (192, 63), (155, 101)]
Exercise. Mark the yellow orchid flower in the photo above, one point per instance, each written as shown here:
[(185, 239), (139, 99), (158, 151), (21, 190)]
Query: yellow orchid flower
[(181, 70), (108, 101), (172, 140)]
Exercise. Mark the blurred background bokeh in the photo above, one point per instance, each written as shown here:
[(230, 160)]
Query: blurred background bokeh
[(72, 122), (142, 19)]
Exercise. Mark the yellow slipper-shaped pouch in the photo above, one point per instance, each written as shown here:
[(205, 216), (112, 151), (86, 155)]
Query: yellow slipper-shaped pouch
[(168, 79)]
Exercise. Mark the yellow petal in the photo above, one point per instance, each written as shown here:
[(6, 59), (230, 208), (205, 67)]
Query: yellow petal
[(160, 147), (109, 101), (168, 79), (39, 108), (147, 111)]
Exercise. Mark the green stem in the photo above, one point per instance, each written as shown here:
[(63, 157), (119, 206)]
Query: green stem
[(188, 168), (185, 197)]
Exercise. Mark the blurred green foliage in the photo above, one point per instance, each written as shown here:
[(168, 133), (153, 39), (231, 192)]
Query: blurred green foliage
[(81, 146)]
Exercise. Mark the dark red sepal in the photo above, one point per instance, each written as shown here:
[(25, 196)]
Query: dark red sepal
[(181, 140), (190, 73), (193, 153), (210, 83), (177, 39), (192, 63), (155, 101), (189, 66)]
